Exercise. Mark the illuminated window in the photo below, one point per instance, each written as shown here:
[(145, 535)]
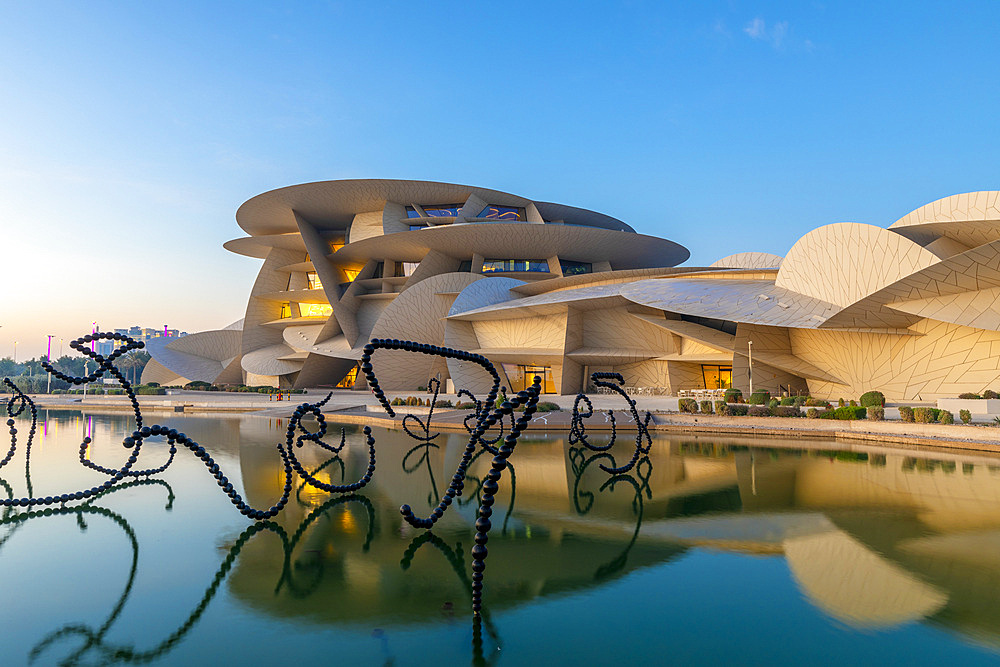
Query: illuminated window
[(435, 211), (414, 228), (336, 245), (510, 265), (404, 269), (521, 377), (717, 377), (314, 281), (571, 268), (349, 379), (494, 212), (315, 310), (351, 274), (286, 310)]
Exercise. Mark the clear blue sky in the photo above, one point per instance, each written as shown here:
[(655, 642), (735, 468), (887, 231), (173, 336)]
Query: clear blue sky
[(130, 133)]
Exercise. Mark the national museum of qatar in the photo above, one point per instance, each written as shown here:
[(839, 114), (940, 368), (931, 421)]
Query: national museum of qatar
[(561, 292)]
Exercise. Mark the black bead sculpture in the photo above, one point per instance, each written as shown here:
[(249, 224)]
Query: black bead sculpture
[(578, 430), (133, 442)]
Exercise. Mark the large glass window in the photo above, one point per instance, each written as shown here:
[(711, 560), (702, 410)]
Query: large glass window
[(435, 211), (314, 281), (571, 268), (717, 377), (286, 311), (521, 376), (494, 212), (510, 265), (315, 310), (414, 228), (349, 379)]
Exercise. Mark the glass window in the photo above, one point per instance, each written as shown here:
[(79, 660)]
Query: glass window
[(315, 310), (717, 377), (349, 379), (351, 274), (494, 212), (435, 211), (286, 311), (571, 268), (521, 376), (314, 281), (466, 266), (510, 265), (414, 228)]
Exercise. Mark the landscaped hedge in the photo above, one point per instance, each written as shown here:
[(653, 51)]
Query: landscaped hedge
[(965, 416), (760, 397), (846, 412), (788, 400), (706, 407), (759, 410), (687, 405), (926, 415), (876, 413), (817, 402), (870, 398), (969, 396), (906, 414), (786, 411), (737, 409), (946, 417), (721, 408), (733, 395)]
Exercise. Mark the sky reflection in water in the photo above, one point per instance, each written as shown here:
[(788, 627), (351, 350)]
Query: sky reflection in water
[(712, 550)]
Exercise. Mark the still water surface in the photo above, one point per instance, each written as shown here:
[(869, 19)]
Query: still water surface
[(712, 551)]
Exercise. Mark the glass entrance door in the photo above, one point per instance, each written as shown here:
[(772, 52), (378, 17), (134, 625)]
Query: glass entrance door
[(521, 376), (717, 377)]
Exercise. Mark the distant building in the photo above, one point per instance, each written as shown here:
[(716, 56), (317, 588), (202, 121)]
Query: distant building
[(106, 347)]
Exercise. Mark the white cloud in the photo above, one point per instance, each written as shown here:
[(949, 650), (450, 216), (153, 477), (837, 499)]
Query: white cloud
[(775, 35)]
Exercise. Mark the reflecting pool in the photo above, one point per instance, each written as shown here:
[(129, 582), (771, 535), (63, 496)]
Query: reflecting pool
[(712, 550)]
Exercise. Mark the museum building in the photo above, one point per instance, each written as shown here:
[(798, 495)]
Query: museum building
[(912, 310)]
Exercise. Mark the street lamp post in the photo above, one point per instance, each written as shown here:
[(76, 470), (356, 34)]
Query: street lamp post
[(86, 370), (750, 364), (48, 357), (15, 351)]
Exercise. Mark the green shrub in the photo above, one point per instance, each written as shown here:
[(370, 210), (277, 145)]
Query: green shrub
[(800, 400), (721, 408), (965, 416), (757, 410), (926, 415), (788, 400), (153, 384), (906, 414), (773, 403), (149, 390), (737, 410), (946, 417), (870, 398), (396, 401), (733, 395), (876, 413), (817, 402), (989, 393), (846, 412), (760, 397), (706, 407), (786, 411), (543, 406), (812, 413), (687, 405), (197, 385), (852, 403), (969, 395), (840, 403), (468, 405)]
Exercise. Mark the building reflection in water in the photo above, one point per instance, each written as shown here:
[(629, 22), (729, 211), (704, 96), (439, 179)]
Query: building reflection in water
[(873, 539)]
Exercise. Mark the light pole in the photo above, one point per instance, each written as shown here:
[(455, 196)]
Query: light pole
[(15, 351), (750, 364), (86, 364), (48, 357), (60, 348)]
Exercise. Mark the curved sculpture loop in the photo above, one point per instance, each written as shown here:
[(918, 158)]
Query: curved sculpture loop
[(578, 430)]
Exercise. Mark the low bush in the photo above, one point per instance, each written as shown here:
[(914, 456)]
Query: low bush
[(817, 402), (149, 390), (760, 397), (800, 400), (733, 395), (786, 411), (788, 400), (926, 415), (876, 413), (870, 398), (773, 403), (721, 408), (468, 405), (840, 403), (737, 409), (965, 416), (906, 414), (852, 403), (153, 384), (543, 406), (946, 417), (687, 405), (989, 393), (846, 412), (198, 385), (812, 413), (759, 410), (706, 407), (969, 395)]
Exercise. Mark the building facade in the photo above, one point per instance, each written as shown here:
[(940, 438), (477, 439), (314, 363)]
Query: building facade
[(557, 291)]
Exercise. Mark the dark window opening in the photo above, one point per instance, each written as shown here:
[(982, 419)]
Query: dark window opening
[(494, 212), (571, 268), (512, 265), (719, 325)]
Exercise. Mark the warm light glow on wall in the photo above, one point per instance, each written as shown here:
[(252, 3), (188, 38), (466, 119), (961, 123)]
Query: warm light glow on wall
[(315, 310), (351, 274), (314, 281)]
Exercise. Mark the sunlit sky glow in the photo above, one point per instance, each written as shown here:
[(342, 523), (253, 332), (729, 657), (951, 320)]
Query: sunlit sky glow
[(131, 132)]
